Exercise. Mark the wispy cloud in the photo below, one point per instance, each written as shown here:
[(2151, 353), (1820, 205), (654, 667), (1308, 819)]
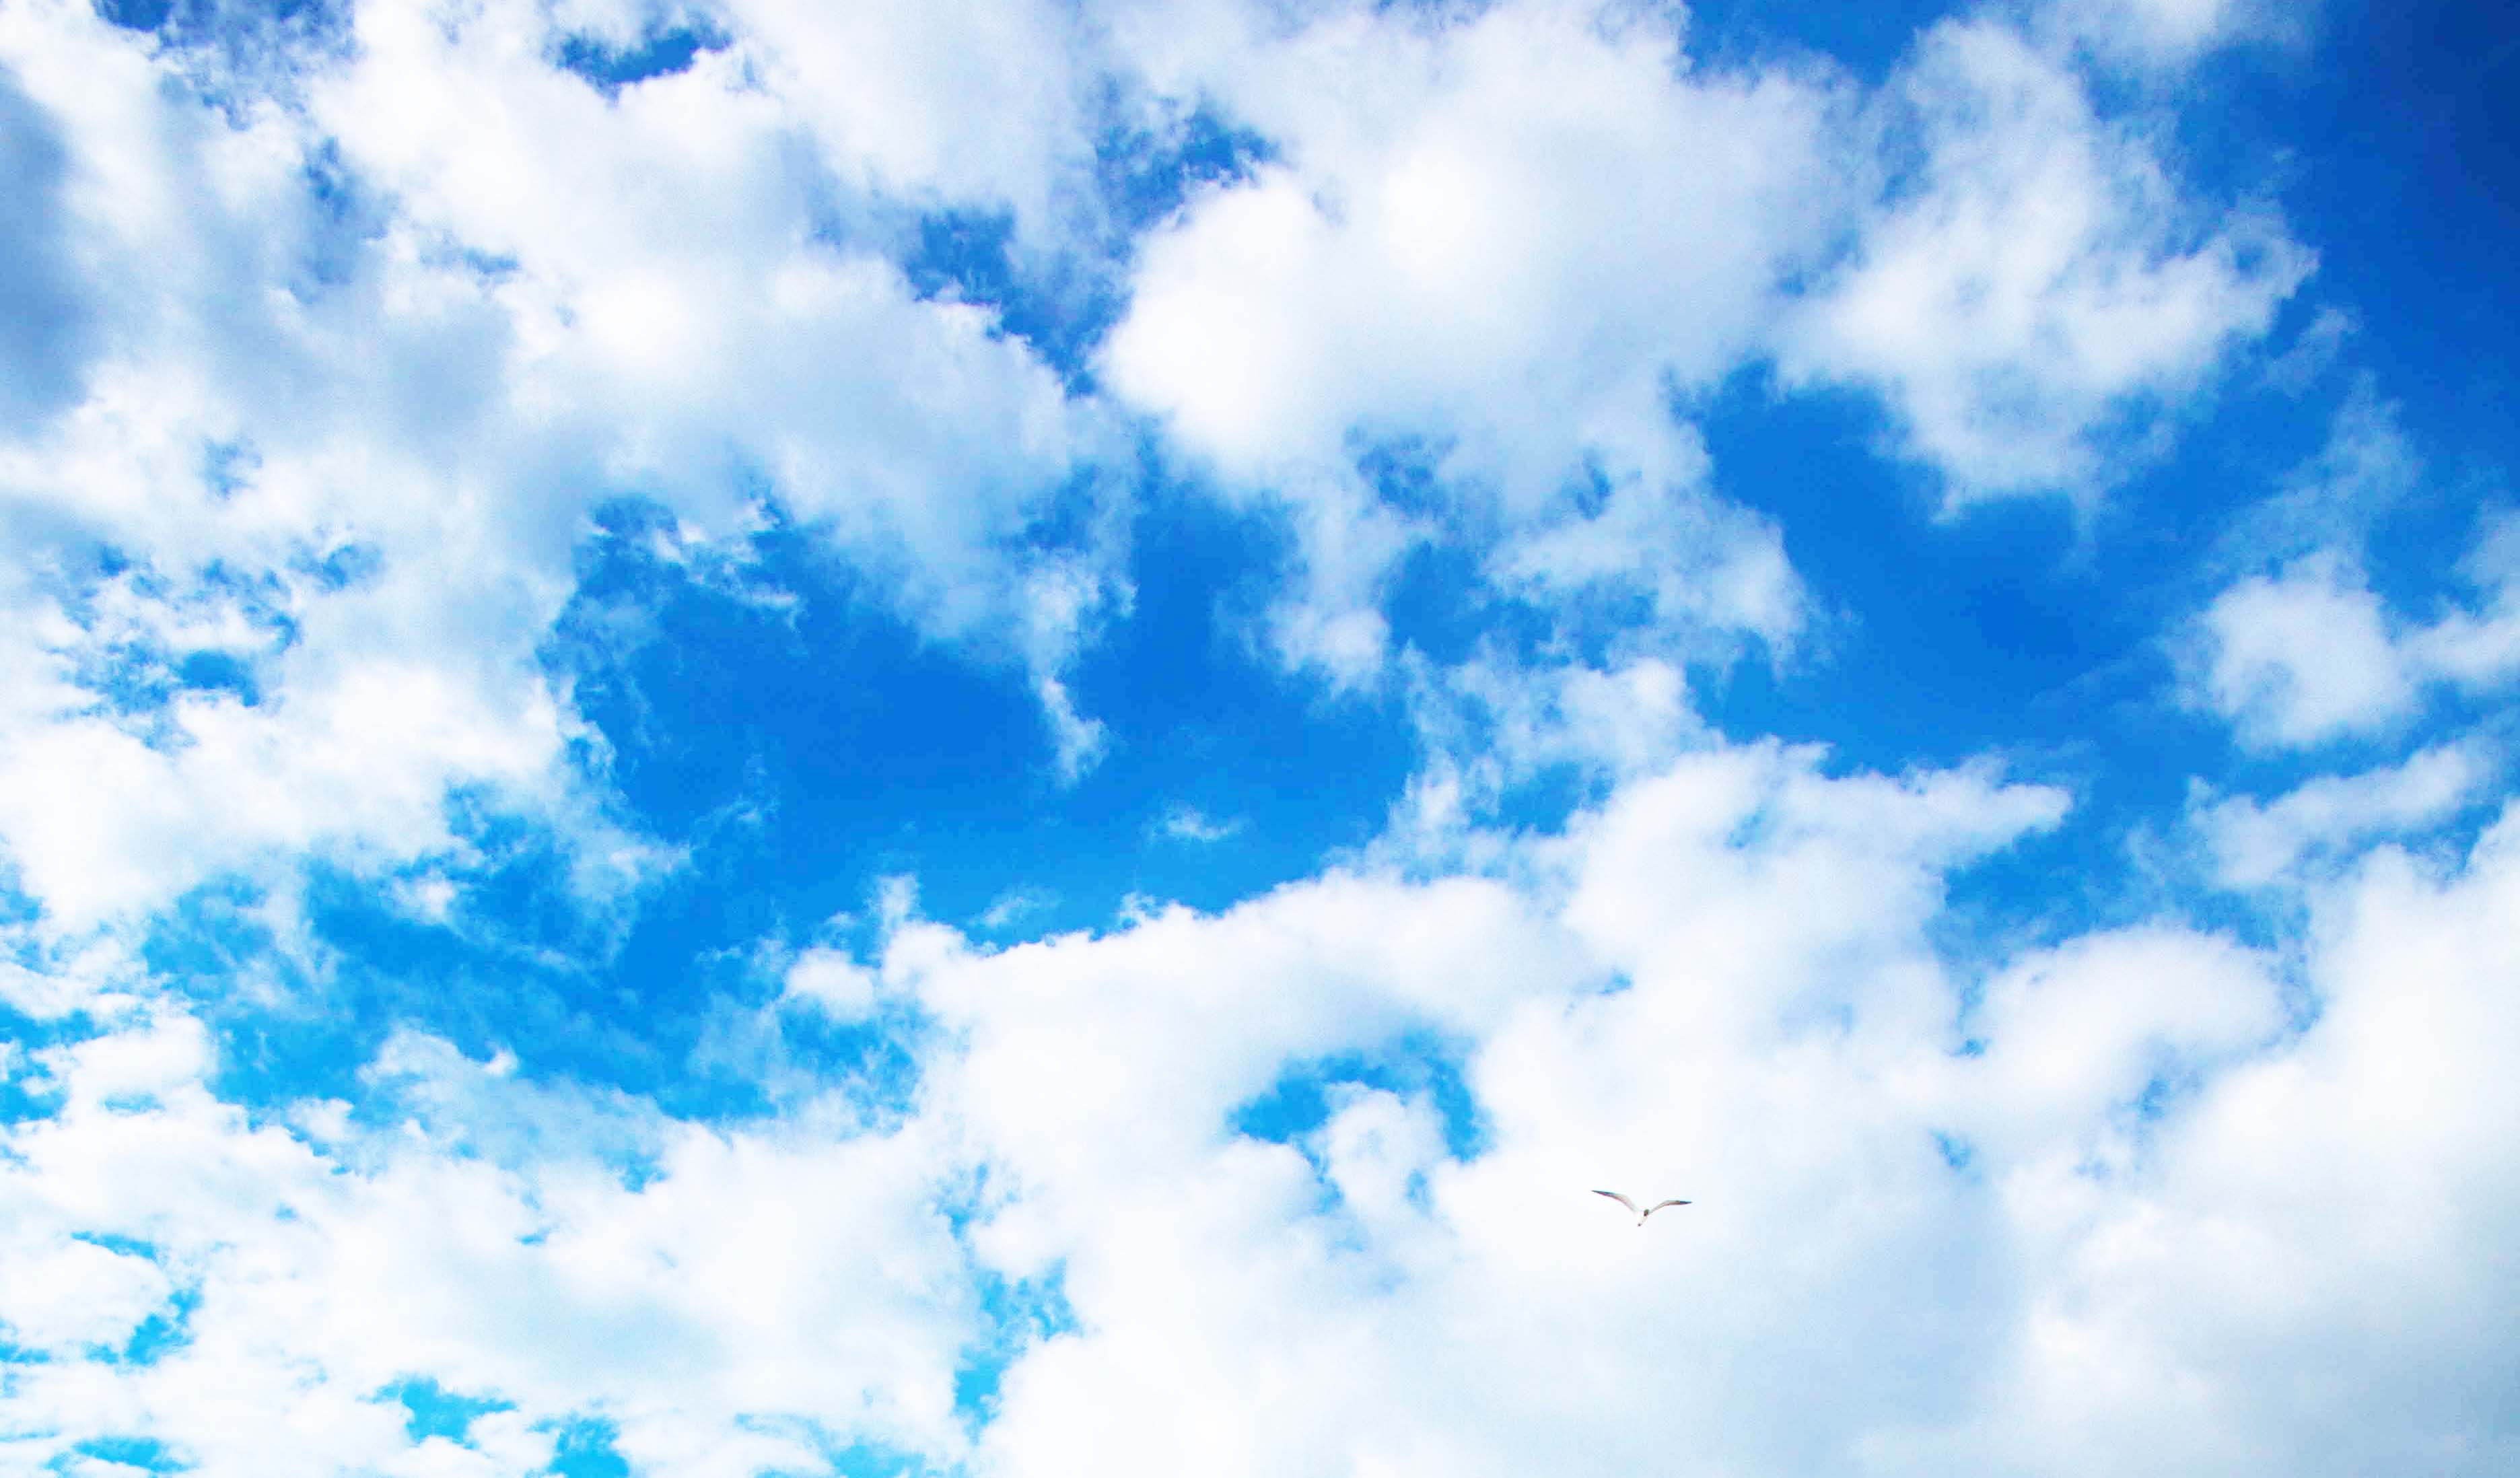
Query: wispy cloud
[(1185, 823)]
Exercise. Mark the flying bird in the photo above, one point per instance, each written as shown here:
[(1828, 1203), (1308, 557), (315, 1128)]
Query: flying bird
[(1641, 1211)]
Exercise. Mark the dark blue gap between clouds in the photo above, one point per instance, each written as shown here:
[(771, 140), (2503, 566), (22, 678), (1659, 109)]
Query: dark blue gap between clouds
[(1062, 303), (659, 52), (2392, 146), (1412, 1065)]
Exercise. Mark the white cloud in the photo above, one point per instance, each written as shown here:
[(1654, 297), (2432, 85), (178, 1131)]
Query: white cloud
[(374, 338), (2168, 34), (1484, 235), (2254, 844), (2034, 302), (2301, 651), (2310, 655), (2179, 1210), (64, 1296), (2290, 1279), (887, 89), (1470, 1315), (1185, 823), (2303, 657), (2115, 1259), (755, 1285)]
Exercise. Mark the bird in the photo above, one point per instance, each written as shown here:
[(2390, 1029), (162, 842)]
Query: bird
[(1641, 1211)]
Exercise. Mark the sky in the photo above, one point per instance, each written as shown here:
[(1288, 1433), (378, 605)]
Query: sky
[(1010, 738)]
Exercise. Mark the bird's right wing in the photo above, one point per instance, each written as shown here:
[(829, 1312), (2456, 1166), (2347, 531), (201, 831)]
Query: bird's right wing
[(1659, 1205), (1622, 1201)]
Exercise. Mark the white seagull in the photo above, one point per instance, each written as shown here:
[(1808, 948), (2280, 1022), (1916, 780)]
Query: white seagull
[(1641, 1211)]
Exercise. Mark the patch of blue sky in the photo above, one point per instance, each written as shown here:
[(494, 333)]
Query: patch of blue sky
[(2400, 169), (1413, 1065), (1018, 1314), (25, 1091), (433, 1411), (165, 1332), (290, 1023), (1867, 38), (1061, 298), (1060, 304), (583, 1447), (521, 966), (661, 51), (854, 750), (2025, 629), (145, 1452), (238, 53), (1940, 640), (1147, 173), (136, 14)]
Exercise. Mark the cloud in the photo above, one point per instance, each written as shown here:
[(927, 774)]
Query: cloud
[(1787, 1050), (2310, 655), (2304, 657), (749, 1298), (2169, 35), (277, 577), (2000, 1218), (2301, 1222), (2254, 844), (42, 348), (835, 983), (2037, 294), (1185, 823), (1377, 1273), (1425, 265)]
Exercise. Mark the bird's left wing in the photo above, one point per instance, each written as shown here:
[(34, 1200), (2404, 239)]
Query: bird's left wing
[(1622, 1201), (1659, 1205)]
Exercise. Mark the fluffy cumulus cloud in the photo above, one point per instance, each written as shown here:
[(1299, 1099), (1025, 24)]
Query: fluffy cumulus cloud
[(2034, 292), (1374, 553), (1332, 1216), (1486, 243), (2306, 651), (2253, 843), (299, 1277)]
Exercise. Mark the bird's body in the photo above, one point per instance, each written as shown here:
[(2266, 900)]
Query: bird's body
[(1641, 1211)]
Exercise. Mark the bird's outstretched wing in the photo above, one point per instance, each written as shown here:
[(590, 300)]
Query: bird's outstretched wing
[(1622, 1201), (1659, 1205)]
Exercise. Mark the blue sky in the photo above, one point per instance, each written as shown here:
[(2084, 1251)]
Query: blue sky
[(1008, 737)]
